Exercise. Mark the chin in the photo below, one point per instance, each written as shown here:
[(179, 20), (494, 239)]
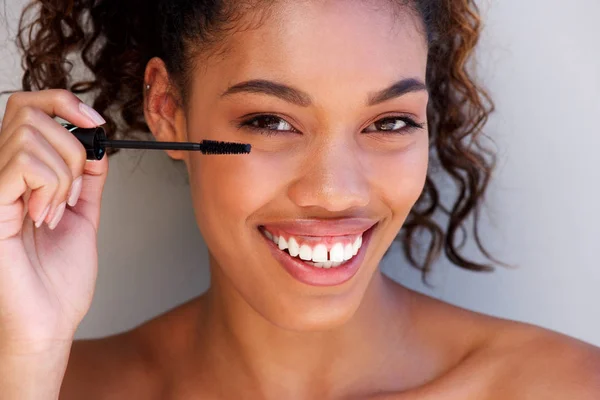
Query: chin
[(316, 311), (314, 317)]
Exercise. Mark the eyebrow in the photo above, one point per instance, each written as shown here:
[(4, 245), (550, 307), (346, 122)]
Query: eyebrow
[(397, 89), (300, 98)]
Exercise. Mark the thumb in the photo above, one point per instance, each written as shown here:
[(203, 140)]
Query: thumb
[(93, 180)]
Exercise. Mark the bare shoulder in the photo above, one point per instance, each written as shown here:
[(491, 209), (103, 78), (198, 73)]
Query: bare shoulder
[(503, 359), (538, 363), (128, 365)]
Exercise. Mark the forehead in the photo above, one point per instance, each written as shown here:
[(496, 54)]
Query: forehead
[(319, 42)]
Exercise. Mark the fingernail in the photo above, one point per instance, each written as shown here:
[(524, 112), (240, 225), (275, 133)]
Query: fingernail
[(75, 192), (57, 215), (42, 217), (91, 114)]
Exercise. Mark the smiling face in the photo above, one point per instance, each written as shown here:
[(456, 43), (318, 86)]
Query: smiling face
[(330, 95)]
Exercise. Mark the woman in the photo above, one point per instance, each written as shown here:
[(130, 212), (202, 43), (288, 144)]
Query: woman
[(343, 103)]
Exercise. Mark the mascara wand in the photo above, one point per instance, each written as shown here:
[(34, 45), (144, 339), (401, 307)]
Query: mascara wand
[(95, 142)]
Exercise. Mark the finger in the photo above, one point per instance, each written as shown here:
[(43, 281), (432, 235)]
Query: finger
[(27, 138), (94, 177), (23, 171), (63, 141), (56, 103)]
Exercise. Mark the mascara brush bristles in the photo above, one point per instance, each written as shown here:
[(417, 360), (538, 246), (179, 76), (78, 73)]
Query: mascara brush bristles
[(215, 147)]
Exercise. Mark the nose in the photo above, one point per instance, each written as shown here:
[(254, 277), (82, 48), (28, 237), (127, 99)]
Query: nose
[(333, 179)]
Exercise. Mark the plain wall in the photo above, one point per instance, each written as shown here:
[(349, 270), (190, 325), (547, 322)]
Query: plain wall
[(540, 61)]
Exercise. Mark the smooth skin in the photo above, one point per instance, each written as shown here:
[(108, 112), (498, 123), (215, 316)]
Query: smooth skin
[(257, 333)]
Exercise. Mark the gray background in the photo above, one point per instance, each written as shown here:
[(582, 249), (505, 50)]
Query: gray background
[(541, 62)]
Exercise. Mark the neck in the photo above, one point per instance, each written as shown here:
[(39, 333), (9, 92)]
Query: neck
[(243, 349)]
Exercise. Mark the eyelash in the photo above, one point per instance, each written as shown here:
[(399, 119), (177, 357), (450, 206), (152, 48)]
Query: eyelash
[(410, 126)]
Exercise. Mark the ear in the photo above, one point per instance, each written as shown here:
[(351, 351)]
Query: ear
[(163, 108)]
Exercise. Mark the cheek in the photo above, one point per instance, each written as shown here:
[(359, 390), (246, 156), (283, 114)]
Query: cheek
[(398, 179), (233, 187)]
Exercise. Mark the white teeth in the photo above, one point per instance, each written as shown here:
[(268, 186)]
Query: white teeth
[(348, 252), (282, 243), (293, 247), (319, 253), (336, 253), (317, 256), (305, 252), (356, 245), (327, 264)]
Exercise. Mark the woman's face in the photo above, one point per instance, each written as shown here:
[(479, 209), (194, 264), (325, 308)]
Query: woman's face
[(330, 95)]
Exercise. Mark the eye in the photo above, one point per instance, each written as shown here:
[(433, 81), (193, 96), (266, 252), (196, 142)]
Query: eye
[(393, 125), (268, 124)]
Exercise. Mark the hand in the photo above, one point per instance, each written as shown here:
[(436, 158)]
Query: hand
[(47, 269)]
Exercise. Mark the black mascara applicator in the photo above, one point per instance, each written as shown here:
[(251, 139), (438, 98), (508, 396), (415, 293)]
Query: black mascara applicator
[(95, 142)]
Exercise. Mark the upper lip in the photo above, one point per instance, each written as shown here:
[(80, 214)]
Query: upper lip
[(323, 227)]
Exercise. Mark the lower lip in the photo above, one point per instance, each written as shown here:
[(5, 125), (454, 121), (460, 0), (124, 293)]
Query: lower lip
[(316, 276)]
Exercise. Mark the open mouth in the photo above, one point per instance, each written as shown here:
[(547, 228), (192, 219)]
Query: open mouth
[(319, 261), (330, 252)]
